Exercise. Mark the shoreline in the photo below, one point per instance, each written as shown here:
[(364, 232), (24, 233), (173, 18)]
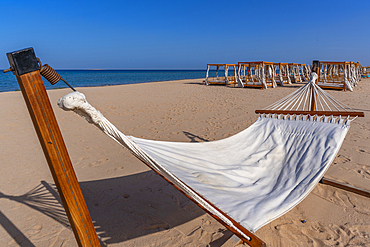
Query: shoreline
[(93, 78), (66, 87), (130, 205)]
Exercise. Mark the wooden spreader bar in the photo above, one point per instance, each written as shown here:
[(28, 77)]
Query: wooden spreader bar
[(312, 113), (25, 67)]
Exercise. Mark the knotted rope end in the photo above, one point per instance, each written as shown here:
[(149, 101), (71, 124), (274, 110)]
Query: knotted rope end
[(77, 102)]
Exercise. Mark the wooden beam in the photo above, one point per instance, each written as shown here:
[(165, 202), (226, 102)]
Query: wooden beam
[(313, 100), (26, 70), (312, 113), (346, 187), (339, 87)]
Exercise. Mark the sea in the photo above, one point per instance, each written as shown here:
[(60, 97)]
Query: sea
[(95, 78)]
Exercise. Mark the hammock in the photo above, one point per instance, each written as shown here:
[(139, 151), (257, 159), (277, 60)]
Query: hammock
[(253, 177)]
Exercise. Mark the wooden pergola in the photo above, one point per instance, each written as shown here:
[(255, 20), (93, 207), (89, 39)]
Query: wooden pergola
[(304, 71), (366, 71), (256, 74), (339, 75), (283, 73), (224, 79), (294, 72)]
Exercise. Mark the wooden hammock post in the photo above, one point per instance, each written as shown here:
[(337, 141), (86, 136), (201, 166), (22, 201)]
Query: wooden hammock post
[(25, 67), (313, 101)]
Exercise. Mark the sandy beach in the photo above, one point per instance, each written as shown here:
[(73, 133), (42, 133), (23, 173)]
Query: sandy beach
[(131, 205)]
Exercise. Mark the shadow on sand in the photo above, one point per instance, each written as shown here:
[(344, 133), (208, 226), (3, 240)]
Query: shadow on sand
[(122, 208)]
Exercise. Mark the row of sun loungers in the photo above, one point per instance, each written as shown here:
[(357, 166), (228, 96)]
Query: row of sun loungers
[(262, 74)]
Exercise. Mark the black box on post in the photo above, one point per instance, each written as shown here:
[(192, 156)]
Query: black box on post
[(23, 61)]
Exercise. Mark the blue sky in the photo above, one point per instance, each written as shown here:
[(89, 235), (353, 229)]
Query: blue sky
[(184, 34)]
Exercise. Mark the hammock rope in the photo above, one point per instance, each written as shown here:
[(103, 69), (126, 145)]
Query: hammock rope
[(307, 96)]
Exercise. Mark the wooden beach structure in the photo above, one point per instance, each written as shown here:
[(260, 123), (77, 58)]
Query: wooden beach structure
[(294, 72), (338, 75), (282, 73), (366, 71), (256, 74), (305, 71), (358, 71), (286, 73), (225, 78)]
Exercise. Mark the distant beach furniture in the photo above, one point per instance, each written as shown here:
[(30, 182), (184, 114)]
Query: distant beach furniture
[(286, 73), (339, 75), (305, 71), (366, 71), (282, 73), (294, 74), (256, 74), (221, 79)]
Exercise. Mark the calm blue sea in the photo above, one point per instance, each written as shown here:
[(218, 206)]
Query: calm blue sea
[(93, 78)]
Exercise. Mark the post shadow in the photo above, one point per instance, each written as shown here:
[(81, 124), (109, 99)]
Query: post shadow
[(13, 231), (122, 208)]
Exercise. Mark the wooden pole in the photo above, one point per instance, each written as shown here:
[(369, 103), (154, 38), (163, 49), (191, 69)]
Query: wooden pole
[(26, 69), (346, 187)]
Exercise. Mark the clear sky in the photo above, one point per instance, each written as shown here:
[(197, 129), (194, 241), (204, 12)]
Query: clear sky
[(179, 34)]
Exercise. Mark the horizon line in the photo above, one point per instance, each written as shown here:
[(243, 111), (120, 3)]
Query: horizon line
[(125, 69), (131, 69)]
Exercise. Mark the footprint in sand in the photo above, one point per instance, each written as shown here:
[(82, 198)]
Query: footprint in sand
[(35, 230), (341, 159), (363, 151), (81, 159), (96, 163), (119, 169), (364, 171), (37, 227), (342, 198), (319, 234)]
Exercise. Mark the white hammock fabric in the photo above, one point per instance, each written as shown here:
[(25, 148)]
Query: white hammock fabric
[(259, 174), (254, 176)]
